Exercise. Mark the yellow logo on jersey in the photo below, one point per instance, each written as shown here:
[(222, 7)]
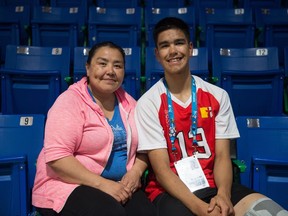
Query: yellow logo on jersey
[(206, 112)]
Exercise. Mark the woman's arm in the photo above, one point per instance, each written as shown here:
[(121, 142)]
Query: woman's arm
[(70, 170)]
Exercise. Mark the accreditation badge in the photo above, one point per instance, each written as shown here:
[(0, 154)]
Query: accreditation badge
[(190, 172)]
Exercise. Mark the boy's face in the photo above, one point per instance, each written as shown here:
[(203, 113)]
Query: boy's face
[(173, 51)]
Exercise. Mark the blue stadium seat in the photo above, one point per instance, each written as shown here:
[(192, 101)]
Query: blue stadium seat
[(58, 26), (80, 58), (32, 78), (260, 3), (272, 24), (131, 82), (253, 79), (68, 3), (153, 15), (202, 4), (198, 65), (15, 2), (14, 21), (13, 186), (286, 80), (165, 3), (226, 28), (132, 79), (82, 6), (21, 141), (120, 25), (286, 60), (153, 70), (118, 4), (263, 148)]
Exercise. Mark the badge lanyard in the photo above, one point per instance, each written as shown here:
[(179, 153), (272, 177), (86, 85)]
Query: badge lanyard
[(172, 127)]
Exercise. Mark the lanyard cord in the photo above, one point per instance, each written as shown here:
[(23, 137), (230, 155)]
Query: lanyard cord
[(172, 127), (91, 94)]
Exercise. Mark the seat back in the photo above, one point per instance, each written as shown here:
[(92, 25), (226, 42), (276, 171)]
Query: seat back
[(153, 69), (272, 24), (132, 79), (202, 4), (14, 21), (198, 65), (260, 4), (21, 141), (198, 62), (118, 4), (226, 28), (80, 58), (153, 15), (165, 4), (13, 186), (263, 148), (33, 77), (286, 61), (58, 26), (120, 25), (253, 79)]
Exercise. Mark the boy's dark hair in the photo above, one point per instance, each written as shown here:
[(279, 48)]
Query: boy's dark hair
[(170, 23)]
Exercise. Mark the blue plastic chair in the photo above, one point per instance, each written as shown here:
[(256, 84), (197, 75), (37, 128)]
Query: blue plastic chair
[(58, 26), (120, 25), (14, 21), (118, 4), (80, 56), (132, 79), (272, 24), (198, 65), (226, 28), (165, 3), (253, 79), (263, 149), (15, 2), (21, 141), (13, 186), (286, 61), (33, 77), (260, 3), (153, 15), (202, 4)]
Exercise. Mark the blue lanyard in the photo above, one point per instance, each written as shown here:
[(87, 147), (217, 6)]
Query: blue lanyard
[(172, 127), (91, 94)]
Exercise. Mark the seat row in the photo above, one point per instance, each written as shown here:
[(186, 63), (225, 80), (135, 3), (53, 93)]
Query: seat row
[(72, 26), (150, 3), (261, 158), (33, 77)]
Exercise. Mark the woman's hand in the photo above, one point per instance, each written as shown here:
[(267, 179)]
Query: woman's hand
[(132, 180), (117, 190)]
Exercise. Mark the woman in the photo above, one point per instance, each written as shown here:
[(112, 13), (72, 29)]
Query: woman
[(88, 165)]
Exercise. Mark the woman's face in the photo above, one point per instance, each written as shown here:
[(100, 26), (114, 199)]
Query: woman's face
[(106, 71)]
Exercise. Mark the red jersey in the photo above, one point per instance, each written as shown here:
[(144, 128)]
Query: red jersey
[(215, 120)]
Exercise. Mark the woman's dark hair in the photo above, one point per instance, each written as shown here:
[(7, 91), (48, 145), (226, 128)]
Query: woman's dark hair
[(97, 46), (170, 23)]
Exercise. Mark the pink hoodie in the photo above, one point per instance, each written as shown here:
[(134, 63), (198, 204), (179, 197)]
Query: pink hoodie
[(77, 126)]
